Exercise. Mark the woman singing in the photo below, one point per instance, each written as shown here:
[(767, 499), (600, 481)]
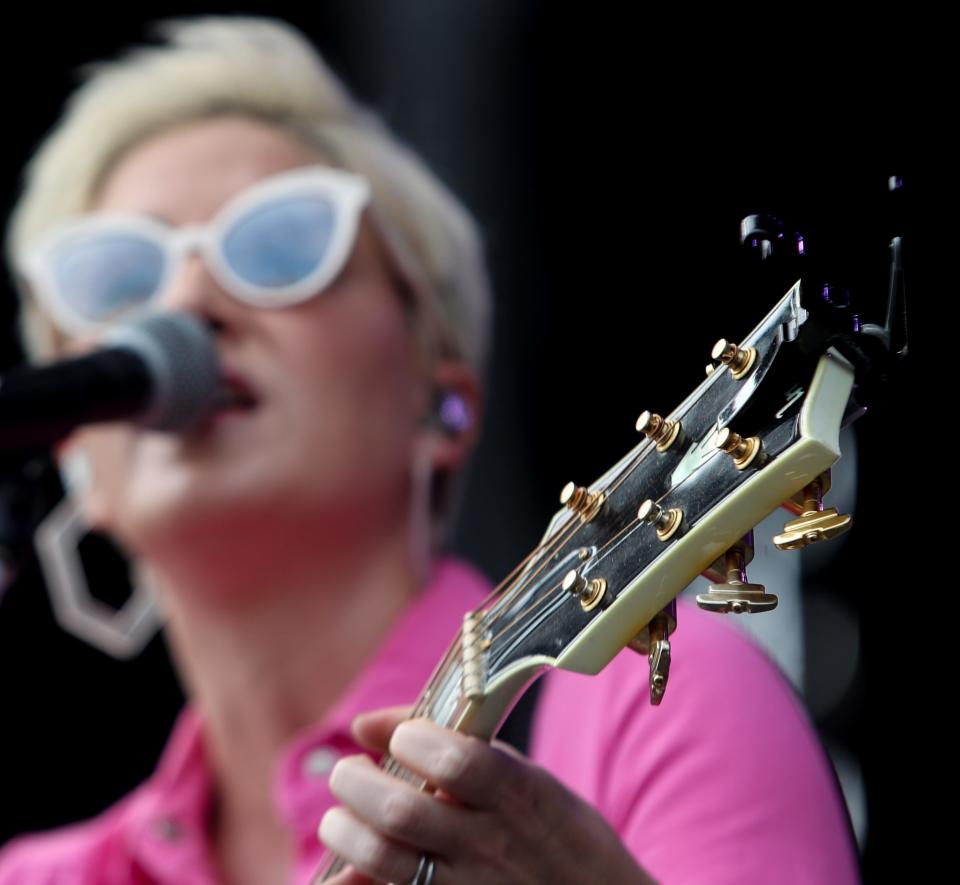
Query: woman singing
[(292, 539)]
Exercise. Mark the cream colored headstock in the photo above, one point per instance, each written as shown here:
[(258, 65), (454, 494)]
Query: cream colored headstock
[(760, 430)]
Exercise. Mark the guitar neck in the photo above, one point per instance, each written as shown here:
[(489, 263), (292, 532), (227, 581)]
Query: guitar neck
[(446, 700)]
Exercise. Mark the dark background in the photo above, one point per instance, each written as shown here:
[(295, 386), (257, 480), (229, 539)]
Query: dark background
[(609, 162)]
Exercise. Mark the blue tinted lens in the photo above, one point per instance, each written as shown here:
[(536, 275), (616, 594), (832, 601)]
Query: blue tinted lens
[(103, 274), (281, 241)]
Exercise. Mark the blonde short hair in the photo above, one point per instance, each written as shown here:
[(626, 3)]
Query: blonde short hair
[(266, 69)]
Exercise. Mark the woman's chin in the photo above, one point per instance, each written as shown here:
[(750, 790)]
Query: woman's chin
[(181, 499), (229, 479)]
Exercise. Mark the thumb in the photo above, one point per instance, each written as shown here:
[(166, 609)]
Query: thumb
[(510, 750)]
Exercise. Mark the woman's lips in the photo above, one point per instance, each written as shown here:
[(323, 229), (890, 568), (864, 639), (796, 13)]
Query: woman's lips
[(235, 396), (235, 393)]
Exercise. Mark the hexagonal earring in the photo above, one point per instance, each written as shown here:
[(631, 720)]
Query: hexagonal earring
[(120, 632)]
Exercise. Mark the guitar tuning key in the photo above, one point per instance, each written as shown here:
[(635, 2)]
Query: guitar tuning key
[(814, 523), (581, 500), (666, 521), (659, 663), (736, 595), (743, 450), (590, 593), (739, 360), (661, 430), (653, 642)]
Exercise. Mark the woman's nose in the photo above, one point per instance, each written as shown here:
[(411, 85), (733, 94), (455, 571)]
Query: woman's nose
[(193, 287)]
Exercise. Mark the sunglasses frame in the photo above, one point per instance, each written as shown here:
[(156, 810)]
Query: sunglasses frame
[(349, 192)]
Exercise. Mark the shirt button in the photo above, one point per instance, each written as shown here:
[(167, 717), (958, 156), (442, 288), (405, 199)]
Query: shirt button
[(168, 829), (319, 762)]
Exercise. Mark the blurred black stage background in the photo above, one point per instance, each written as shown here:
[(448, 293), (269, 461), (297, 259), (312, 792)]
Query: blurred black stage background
[(609, 163)]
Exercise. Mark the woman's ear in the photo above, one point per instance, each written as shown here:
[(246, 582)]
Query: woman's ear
[(453, 417), (73, 458), (76, 471)]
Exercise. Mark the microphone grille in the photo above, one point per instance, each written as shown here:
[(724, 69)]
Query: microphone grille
[(180, 355)]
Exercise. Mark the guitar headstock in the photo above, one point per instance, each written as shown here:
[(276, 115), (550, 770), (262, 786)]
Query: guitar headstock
[(760, 431)]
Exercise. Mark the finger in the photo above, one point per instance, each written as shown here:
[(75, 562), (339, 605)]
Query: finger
[(366, 849), (465, 767), (372, 730), (398, 810)]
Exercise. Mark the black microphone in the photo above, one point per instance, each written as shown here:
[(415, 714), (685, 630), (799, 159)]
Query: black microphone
[(161, 372)]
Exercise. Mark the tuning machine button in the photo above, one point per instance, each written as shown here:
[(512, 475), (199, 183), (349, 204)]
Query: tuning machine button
[(581, 500), (662, 431), (736, 595), (814, 523), (740, 360), (666, 521), (590, 593), (744, 451)]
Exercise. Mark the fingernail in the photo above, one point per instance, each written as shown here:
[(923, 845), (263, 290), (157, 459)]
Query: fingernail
[(333, 824), (413, 738)]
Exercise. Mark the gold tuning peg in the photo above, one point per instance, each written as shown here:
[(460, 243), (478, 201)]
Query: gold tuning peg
[(653, 642), (581, 500), (662, 431), (659, 668), (739, 360), (736, 595), (590, 593), (743, 450), (814, 523), (666, 521)]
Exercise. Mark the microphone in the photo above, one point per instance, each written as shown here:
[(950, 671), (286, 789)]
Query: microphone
[(161, 372)]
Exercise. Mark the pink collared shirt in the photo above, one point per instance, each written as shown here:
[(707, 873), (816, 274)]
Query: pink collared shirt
[(725, 783)]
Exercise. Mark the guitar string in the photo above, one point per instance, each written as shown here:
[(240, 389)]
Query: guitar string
[(453, 651), (551, 595), (608, 492), (452, 655), (562, 596), (556, 593), (508, 593), (628, 469), (575, 524)]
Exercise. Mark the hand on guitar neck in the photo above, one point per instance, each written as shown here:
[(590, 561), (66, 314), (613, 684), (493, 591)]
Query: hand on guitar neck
[(493, 817)]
